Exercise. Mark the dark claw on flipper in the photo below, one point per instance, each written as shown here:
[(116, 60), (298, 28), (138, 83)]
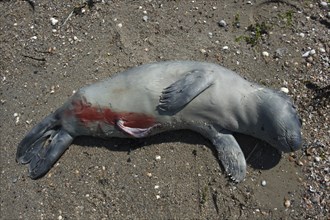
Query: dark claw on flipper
[(231, 156)]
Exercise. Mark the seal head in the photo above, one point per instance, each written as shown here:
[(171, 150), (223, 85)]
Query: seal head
[(281, 123)]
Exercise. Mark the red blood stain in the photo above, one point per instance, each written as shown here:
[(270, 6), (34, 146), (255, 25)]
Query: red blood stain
[(88, 113)]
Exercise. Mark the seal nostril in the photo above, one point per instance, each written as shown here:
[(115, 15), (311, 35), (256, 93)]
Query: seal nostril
[(292, 148)]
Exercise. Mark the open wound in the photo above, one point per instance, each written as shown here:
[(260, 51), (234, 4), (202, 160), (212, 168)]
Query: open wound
[(136, 124), (135, 132)]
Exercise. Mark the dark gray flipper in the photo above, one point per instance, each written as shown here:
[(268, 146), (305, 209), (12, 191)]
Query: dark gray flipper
[(43, 146), (180, 93), (231, 156), (31, 139), (229, 152), (43, 161)]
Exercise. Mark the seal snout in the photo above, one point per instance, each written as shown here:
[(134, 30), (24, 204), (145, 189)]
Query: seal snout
[(294, 142)]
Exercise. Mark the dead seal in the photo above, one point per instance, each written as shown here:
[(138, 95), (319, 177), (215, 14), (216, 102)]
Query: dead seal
[(158, 97)]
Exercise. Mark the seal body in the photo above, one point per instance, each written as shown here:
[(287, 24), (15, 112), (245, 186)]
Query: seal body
[(158, 97)]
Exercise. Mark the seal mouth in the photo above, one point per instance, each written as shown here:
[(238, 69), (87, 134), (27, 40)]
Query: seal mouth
[(293, 142), (289, 143)]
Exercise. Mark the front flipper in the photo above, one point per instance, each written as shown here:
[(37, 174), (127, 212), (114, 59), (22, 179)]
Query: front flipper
[(231, 156), (229, 152), (180, 93)]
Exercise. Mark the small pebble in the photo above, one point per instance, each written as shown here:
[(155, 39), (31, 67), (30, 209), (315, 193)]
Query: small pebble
[(120, 25), (52, 89), (222, 23), (300, 163), (322, 50), (317, 159), (265, 54), (287, 203), (53, 21), (17, 120), (306, 54), (291, 159), (324, 4), (312, 52), (145, 18), (156, 187), (15, 179), (157, 196), (285, 90), (263, 183), (225, 48), (158, 157), (203, 51)]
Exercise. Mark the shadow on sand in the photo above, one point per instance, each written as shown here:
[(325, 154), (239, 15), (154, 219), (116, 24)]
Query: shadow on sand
[(258, 154)]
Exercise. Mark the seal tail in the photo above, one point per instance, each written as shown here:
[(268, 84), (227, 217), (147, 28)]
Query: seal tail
[(43, 146)]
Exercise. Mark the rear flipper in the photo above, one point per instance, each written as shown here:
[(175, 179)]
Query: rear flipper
[(43, 146)]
